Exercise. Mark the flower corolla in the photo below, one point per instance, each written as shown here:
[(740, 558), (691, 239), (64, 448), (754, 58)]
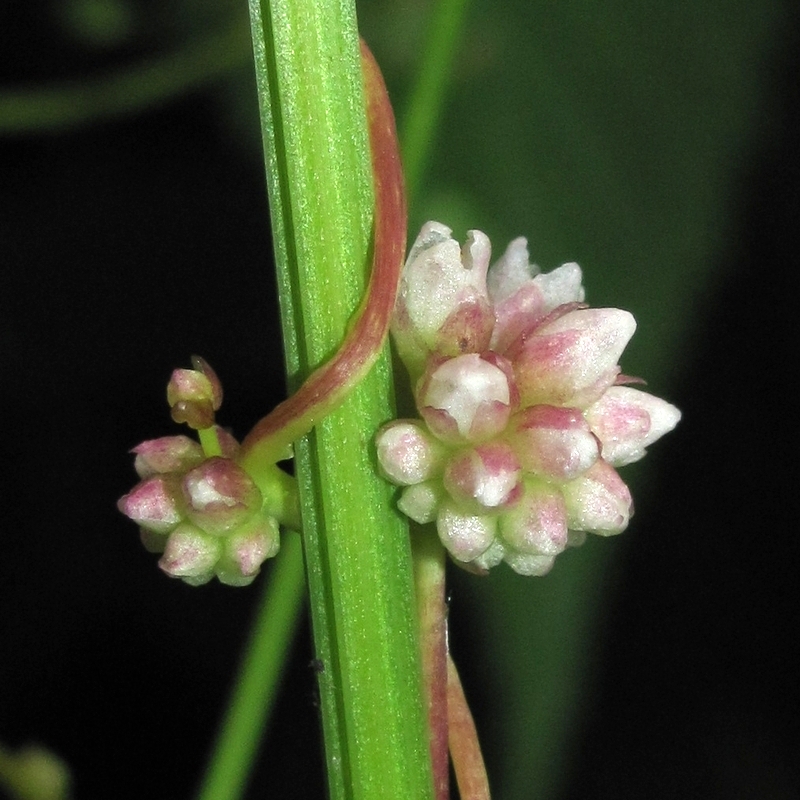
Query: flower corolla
[(524, 411)]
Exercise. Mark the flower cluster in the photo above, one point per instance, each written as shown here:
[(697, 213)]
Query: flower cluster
[(196, 505), (524, 411)]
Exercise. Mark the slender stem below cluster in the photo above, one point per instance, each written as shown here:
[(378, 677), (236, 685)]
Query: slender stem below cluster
[(473, 784), (429, 580)]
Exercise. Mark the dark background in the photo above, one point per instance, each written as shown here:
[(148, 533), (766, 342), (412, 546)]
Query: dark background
[(130, 243)]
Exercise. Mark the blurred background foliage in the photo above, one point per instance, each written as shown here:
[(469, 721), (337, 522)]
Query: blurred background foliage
[(654, 144)]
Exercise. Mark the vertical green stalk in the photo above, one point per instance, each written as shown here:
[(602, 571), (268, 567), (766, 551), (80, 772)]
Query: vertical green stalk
[(258, 679), (418, 125), (357, 549)]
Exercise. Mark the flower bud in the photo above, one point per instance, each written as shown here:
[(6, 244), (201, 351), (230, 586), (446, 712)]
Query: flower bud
[(572, 360), (442, 303), (529, 564), (191, 554), (167, 454), (553, 442), (484, 478), (466, 536), (627, 421), (407, 454), (467, 399), (420, 502), (598, 501), (220, 496), (522, 298), (246, 549), (537, 524), (155, 503), (194, 395)]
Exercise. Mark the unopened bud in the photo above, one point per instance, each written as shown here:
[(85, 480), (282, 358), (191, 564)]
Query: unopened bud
[(194, 395), (220, 496), (191, 554), (155, 503)]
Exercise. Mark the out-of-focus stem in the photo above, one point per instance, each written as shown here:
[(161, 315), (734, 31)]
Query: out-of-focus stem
[(473, 784), (258, 678)]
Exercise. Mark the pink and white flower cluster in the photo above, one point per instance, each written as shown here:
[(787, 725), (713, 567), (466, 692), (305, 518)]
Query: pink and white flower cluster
[(524, 410), (204, 513)]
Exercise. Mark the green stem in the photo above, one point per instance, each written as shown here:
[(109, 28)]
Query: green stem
[(255, 688), (426, 101), (357, 549)]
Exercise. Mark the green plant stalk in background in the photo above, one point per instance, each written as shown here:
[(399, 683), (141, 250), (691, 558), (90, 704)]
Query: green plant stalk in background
[(257, 681), (357, 548)]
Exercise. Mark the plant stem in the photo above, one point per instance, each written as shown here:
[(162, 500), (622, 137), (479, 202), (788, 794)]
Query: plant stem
[(465, 750), (418, 124), (429, 581), (153, 82), (357, 549), (256, 684)]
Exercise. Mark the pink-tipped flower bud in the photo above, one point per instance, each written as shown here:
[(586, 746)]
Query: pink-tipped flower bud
[(572, 360), (246, 549), (407, 453), (220, 496), (442, 303), (627, 421), (155, 503), (469, 398), (167, 454), (554, 443), (598, 501), (191, 554), (194, 395), (483, 479), (537, 524)]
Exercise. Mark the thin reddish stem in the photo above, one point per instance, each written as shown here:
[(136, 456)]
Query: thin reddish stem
[(328, 386), (429, 572), (473, 784)]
